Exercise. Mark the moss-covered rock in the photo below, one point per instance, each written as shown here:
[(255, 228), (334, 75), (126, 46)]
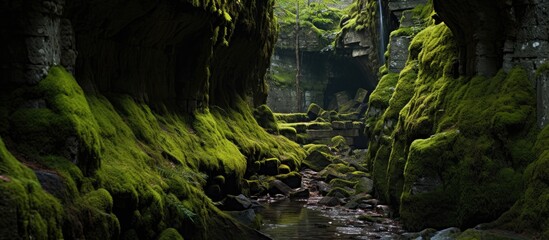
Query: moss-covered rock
[(284, 169), (292, 179), (339, 192), (25, 208), (292, 117), (314, 111), (317, 160), (442, 144), (170, 234), (269, 166), (288, 132), (65, 127), (266, 119)]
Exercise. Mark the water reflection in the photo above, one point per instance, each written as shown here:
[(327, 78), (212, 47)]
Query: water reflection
[(288, 219)]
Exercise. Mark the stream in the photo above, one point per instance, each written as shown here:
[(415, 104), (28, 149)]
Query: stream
[(285, 218)]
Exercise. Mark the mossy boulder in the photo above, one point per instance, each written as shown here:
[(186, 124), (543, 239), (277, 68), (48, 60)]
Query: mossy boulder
[(340, 192), (291, 117), (339, 143), (288, 132), (170, 234), (284, 169), (337, 182), (266, 119), (317, 160), (314, 111), (269, 166), (292, 179), (317, 147), (63, 126), (335, 170)]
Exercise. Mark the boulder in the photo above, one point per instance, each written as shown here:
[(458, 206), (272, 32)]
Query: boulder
[(300, 193), (317, 160), (340, 193), (323, 187), (236, 203), (269, 166), (329, 201), (361, 95), (278, 187), (246, 217), (364, 185), (266, 119), (292, 179), (284, 169), (314, 111)]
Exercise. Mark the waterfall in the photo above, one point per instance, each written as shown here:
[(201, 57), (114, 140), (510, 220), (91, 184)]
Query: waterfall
[(382, 43)]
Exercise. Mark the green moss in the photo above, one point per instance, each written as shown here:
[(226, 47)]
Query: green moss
[(288, 132), (317, 147), (316, 20), (265, 118), (338, 142), (318, 160), (291, 117), (95, 209), (529, 215), (342, 183), (469, 138), (337, 191), (299, 127), (27, 211), (284, 169), (170, 234), (473, 234), (41, 131), (483, 112), (380, 97)]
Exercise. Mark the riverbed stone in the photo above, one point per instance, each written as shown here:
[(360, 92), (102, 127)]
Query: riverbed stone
[(300, 193), (236, 203), (269, 166), (323, 187), (364, 185), (446, 234), (279, 187), (284, 169), (329, 201), (317, 160), (292, 179), (340, 192), (314, 111), (247, 217)]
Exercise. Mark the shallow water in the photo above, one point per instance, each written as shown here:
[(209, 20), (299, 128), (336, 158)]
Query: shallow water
[(288, 219)]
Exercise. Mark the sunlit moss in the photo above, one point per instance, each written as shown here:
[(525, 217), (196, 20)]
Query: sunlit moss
[(25, 205)]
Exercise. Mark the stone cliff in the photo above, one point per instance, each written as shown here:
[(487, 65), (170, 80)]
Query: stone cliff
[(118, 116), (455, 140), (324, 71)]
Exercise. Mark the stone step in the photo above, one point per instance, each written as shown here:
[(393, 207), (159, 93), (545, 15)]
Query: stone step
[(316, 134)]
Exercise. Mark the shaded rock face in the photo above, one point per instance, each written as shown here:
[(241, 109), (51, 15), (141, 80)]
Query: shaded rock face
[(155, 51), (322, 76), (35, 36), (499, 34)]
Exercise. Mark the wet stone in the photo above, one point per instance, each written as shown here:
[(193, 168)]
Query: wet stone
[(300, 193), (329, 201), (237, 203)]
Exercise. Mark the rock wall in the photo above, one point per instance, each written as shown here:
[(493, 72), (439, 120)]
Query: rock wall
[(36, 36), (323, 71), (435, 152), (118, 117)]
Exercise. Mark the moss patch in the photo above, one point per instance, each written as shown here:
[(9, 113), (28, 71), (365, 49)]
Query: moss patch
[(454, 146)]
